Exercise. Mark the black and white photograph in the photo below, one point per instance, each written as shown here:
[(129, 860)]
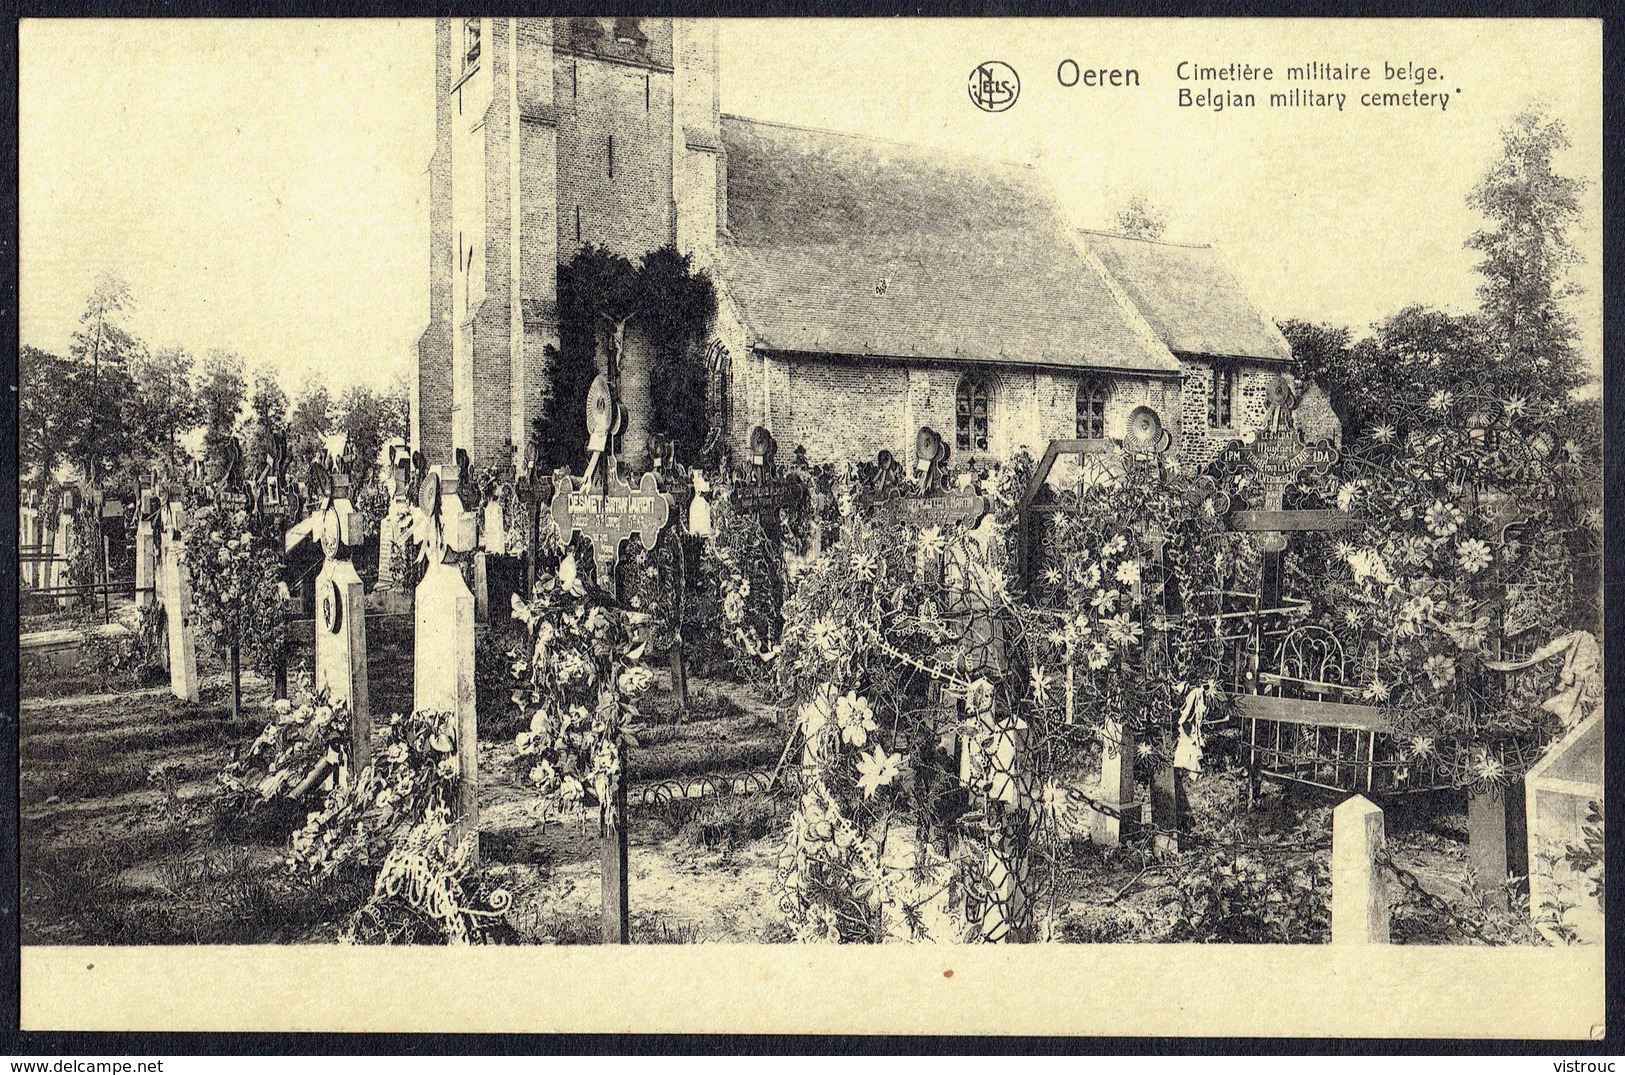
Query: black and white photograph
[(735, 487)]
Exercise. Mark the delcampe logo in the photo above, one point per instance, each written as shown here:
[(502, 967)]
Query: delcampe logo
[(994, 86)]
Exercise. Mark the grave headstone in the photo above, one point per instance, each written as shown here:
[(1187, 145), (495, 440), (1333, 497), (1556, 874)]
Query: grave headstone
[(65, 545), (30, 536), (177, 600), (393, 588), (1359, 900), (148, 512), (443, 646), (341, 621)]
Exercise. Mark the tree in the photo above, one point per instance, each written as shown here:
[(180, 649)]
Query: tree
[(220, 395), (1527, 253), (98, 391), (1321, 355), (42, 412), (679, 305), (1142, 218), (166, 403), (311, 420), (1408, 357), (601, 293), (267, 417), (369, 419)]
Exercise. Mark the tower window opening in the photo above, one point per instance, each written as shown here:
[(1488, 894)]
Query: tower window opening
[(578, 223), (471, 43), (612, 156), (646, 93)]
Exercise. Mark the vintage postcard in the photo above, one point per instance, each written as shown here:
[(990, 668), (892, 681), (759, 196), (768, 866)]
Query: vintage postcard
[(1068, 526)]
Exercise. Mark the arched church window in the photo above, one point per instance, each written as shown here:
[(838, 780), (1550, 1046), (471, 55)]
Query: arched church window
[(973, 414), (1091, 409)]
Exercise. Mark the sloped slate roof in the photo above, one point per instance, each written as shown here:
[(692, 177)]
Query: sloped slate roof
[(837, 244), (1189, 296)]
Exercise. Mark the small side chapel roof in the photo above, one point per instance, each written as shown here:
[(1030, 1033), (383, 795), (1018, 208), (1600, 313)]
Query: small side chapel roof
[(840, 244), (1189, 296)]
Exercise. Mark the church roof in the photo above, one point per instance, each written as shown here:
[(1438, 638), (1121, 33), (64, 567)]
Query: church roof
[(1188, 294), (838, 244)]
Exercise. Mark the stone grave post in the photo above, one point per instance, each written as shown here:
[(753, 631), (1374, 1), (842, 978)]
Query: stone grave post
[(443, 644), (607, 510), (341, 620), (28, 536), (65, 544), (393, 585), (177, 599), (1359, 901), (147, 519)]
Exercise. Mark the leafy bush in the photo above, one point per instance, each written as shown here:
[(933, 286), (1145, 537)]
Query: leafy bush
[(1252, 899)]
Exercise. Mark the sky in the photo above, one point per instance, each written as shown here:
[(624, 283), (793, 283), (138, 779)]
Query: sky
[(262, 186)]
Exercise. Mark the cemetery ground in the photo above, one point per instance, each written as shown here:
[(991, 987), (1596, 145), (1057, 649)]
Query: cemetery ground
[(124, 840)]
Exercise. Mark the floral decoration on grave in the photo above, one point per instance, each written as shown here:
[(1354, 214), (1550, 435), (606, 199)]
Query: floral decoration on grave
[(1131, 579), (413, 774), (237, 580), (883, 844), (303, 747), (582, 678), (1471, 508)]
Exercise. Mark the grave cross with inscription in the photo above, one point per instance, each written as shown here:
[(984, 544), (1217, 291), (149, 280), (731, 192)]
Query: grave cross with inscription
[(605, 508), (176, 595), (1272, 460), (608, 511)]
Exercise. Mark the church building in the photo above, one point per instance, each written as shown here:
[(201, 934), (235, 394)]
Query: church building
[(864, 287)]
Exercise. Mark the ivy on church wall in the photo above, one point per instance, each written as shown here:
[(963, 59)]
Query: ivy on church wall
[(665, 302)]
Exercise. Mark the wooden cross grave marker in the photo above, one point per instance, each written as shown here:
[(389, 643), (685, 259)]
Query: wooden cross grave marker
[(608, 511), (1002, 770), (1276, 458)]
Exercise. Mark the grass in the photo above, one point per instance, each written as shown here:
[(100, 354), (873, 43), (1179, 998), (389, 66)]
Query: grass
[(126, 838)]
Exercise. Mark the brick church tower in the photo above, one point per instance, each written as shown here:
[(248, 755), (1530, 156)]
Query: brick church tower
[(551, 134)]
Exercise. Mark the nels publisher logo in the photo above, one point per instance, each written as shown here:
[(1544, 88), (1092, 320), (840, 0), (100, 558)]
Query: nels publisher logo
[(994, 86)]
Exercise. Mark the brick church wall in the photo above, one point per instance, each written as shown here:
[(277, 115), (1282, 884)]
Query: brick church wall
[(844, 410), (1201, 442)]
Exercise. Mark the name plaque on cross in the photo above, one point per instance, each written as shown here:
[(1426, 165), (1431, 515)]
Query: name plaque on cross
[(611, 517), (930, 503), (944, 509), (1277, 460), (770, 494)]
